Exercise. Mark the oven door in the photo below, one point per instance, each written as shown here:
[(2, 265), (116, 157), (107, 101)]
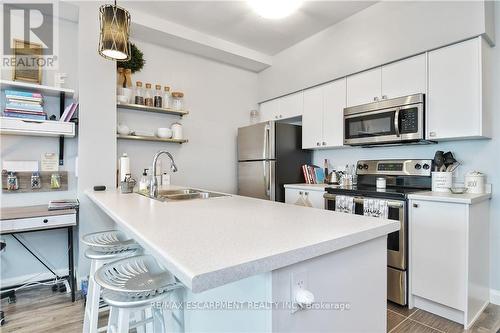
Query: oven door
[(394, 125), (397, 240)]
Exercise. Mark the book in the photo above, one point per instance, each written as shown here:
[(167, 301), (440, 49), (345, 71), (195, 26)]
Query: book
[(63, 204), (25, 116), (69, 112), (22, 93), (24, 112), (23, 107)]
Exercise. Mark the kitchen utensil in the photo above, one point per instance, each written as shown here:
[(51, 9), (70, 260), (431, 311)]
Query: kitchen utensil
[(449, 159), (334, 177), (458, 190), (452, 167), (438, 160), (475, 181), (123, 129), (164, 132), (127, 186)]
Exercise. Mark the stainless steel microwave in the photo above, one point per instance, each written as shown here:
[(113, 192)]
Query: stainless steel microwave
[(390, 121)]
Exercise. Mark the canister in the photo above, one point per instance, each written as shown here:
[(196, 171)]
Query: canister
[(176, 131), (381, 182), (474, 182), (442, 181)]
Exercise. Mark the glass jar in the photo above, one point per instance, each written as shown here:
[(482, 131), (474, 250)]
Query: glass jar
[(12, 181), (177, 100), (167, 98), (254, 116), (138, 93), (158, 99), (148, 95), (55, 181), (35, 180)]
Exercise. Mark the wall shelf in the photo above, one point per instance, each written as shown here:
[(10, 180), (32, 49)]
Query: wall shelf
[(149, 138), (44, 90), (15, 126), (153, 109)]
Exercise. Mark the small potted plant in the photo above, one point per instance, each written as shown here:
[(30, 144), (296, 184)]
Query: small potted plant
[(126, 69)]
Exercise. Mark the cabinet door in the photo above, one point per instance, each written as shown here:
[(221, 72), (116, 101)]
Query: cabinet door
[(269, 110), (364, 87), (291, 195), (316, 198), (312, 119), (291, 105), (454, 99), (438, 254), (405, 77), (334, 97)]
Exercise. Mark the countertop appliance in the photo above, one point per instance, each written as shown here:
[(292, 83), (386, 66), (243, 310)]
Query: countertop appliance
[(270, 155), (389, 121), (402, 177)]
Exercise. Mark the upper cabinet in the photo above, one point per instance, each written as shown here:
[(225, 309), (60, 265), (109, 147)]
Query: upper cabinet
[(284, 107), (364, 87), (456, 102), (405, 77), (323, 118)]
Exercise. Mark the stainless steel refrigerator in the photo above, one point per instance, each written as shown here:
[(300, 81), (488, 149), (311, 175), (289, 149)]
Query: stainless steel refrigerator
[(270, 155)]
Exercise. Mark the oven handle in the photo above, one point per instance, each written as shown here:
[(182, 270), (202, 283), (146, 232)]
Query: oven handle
[(360, 200), (396, 122)]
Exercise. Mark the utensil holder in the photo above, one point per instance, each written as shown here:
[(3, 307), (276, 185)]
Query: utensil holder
[(442, 181)]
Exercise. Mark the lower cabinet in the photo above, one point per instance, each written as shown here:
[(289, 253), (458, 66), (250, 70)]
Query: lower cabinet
[(449, 258), (312, 198)]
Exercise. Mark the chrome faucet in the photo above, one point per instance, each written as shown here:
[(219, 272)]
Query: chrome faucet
[(153, 186)]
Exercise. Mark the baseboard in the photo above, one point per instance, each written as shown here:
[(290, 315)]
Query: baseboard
[(22, 279), (495, 296)]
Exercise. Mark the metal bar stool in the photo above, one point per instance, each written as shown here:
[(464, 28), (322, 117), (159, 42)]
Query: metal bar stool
[(104, 247), (136, 286)]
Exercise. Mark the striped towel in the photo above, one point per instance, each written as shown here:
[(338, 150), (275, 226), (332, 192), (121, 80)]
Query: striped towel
[(344, 204)]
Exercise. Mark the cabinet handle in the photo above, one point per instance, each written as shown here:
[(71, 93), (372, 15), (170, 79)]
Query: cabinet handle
[(300, 192), (45, 221), (281, 116), (306, 193), (384, 96), (432, 134), (375, 99), (324, 143), (317, 143), (415, 205)]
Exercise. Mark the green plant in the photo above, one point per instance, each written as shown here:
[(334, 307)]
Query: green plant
[(136, 62)]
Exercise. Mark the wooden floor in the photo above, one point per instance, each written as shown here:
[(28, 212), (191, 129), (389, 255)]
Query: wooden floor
[(40, 310)]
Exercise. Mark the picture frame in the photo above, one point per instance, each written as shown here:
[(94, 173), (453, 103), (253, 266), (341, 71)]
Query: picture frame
[(24, 69)]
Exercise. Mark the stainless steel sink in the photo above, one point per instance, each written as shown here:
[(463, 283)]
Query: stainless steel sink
[(185, 194)]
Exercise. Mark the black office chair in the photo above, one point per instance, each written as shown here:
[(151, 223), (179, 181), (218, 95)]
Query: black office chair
[(11, 294)]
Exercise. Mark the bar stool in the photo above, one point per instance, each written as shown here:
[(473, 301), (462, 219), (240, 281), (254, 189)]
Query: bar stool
[(104, 247), (131, 287)]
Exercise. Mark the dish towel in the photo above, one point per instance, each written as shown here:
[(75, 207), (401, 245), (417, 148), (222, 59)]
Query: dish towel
[(376, 208), (344, 204)]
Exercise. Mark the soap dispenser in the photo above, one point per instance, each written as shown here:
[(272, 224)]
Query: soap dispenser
[(144, 182)]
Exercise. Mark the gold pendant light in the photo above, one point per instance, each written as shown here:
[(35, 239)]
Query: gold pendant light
[(115, 32)]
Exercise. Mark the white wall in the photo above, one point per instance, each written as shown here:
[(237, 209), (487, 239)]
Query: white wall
[(219, 98), (17, 264), (384, 32)]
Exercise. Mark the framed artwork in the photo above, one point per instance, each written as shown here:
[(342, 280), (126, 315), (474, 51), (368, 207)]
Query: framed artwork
[(28, 59)]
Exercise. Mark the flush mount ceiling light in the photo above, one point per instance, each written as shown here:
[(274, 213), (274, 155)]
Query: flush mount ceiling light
[(115, 31), (274, 9)]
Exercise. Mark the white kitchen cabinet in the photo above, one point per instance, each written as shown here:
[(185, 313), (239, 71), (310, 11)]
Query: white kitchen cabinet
[(282, 108), (364, 87), (449, 258), (323, 117), (405, 77), (457, 105), (314, 197)]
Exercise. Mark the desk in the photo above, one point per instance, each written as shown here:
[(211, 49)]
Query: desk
[(14, 220)]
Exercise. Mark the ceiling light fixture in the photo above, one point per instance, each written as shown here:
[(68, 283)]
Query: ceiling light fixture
[(115, 31), (274, 9)]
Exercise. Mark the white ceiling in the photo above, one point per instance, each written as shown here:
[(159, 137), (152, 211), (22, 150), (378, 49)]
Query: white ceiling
[(235, 21)]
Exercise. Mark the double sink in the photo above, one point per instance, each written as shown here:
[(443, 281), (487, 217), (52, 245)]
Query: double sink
[(185, 194)]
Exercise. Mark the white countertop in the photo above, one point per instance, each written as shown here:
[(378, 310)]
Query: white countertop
[(207, 243), (307, 187), (466, 198)]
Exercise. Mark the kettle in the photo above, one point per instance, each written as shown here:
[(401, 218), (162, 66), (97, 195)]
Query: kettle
[(334, 177)]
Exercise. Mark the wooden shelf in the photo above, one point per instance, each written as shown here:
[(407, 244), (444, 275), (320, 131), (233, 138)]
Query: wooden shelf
[(44, 90), (153, 109), (16, 126), (149, 138)]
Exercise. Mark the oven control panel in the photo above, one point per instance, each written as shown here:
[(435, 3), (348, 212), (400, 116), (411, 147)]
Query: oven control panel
[(395, 167)]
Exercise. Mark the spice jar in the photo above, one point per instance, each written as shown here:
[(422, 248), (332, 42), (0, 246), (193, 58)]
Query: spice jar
[(12, 181), (55, 181), (35, 180), (177, 100), (167, 98), (139, 94), (158, 98), (148, 95)]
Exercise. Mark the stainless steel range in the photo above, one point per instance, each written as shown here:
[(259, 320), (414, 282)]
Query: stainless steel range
[(402, 177)]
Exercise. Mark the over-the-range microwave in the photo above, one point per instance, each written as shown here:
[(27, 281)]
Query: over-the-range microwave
[(389, 121)]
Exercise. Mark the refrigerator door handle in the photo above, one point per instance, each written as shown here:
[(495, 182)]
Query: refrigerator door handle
[(267, 145), (267, 178)]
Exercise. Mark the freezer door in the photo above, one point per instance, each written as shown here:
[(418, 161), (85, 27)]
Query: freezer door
[(256, 142), (256, 179)]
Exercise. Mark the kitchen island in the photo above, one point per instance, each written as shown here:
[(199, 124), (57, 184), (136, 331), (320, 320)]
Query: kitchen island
[(236, 250)]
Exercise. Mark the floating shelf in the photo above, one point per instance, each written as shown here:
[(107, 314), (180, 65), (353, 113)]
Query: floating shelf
[(149, 138), (16, 126), (152, 109), (44, 90)]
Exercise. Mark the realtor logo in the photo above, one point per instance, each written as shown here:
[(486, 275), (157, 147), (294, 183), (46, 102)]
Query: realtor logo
[(28, 28)]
